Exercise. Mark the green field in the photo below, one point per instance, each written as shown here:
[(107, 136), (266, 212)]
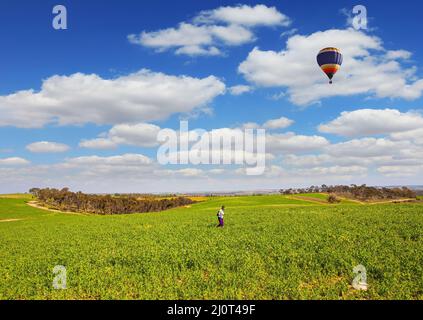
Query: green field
[(320, 196), (272, 247)]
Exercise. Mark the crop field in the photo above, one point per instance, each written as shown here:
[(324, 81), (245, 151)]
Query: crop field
[(272, 247)]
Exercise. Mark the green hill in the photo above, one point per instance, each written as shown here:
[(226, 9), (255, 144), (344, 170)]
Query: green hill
[(272, 247)]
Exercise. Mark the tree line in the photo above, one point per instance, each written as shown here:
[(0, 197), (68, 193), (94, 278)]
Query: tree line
[(66, 200), (362, 192)]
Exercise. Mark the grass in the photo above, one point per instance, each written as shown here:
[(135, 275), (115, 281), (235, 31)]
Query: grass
[(26, 196), (272, 247), (321, 196)]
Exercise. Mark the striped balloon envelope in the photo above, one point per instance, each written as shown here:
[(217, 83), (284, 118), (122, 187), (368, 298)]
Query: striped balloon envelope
[(330, 61)]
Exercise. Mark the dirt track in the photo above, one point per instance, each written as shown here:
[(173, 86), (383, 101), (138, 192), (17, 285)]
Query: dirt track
[(34, 204), (10, 220)]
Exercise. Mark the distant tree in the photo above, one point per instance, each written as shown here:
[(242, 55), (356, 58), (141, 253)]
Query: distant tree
[(104, 204), (362, 192), (34, 191)]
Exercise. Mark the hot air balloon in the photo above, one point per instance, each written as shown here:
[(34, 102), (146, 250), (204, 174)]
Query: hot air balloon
[(330, 61)]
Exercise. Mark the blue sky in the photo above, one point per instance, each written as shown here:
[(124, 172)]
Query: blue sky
[(387, 99)]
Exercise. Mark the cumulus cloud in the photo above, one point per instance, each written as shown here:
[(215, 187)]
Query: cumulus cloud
[(401, 171), (250, 125), (366, 147), (276, 143), (141, 135), (98, 143), (79, 99), (389, 158), (47, 147), (289, 33), (305, 160), (259, 15), (113, 167), (397, 155), (145, 135), (291, 143), (125, 160), (398, 54), (13, 161), (193, 40), (368, 68), (325, 160), (211, 30), (182, 173), (280, 123), (239, 90), (413, 135), (364, 122), (226, 146), (345, 172), (272, 124)]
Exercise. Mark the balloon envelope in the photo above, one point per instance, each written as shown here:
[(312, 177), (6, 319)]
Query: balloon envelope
[(330, 61)]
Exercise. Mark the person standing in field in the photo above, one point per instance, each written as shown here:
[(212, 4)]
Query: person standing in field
[(220, 215)]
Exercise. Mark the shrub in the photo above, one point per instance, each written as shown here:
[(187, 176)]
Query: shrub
[(333, 199)]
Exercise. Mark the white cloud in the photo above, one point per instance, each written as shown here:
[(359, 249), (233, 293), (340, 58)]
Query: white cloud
[(348, 171), (367, 69), (324, 159), (389, 158), (259, 15), (141, 135), (113, 167), (196, 50), (306, 161), (366, 147), (289, 33), (413, 135), (119, 160), (239, 90), (280, 123), (194, 40), (250, 125), (276, 143), (13, 161), (217, 171), (190, 173), (277, 96), (186, 35), (224, 26), (231, 146), (291, 143), (398, 54), (272, 124), (271, 171), (47, 147), (401, 170), (364, 122), (98, 143), (80, 99)]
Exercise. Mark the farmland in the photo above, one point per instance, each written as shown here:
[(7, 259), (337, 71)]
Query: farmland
[(272, 247)]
